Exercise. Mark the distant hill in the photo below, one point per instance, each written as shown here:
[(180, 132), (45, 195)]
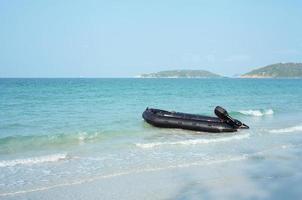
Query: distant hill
[(279, 70), (181, 74)]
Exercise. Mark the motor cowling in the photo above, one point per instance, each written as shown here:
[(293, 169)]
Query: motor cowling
[(221, 113), (224, 115)]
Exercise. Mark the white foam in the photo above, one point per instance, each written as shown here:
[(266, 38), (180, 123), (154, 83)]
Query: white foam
[(124, 173), (257, 113), (33, 160), (192, 141), (287, 130)]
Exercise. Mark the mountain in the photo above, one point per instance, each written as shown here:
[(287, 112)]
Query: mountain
[(181, 74), (279, 70)]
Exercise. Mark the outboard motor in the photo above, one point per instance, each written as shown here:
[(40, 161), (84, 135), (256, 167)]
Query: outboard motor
[(224, 115)]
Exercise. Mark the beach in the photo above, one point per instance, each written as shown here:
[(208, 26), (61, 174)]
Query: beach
[(86, 139)]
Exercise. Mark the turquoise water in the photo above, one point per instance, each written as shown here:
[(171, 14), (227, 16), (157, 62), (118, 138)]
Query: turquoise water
[(63, 132)]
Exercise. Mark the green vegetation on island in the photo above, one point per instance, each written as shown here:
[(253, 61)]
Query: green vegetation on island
[(279, 70), (181, 74)]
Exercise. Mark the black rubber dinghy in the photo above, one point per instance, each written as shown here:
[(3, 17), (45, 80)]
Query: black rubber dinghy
[(165, 119)]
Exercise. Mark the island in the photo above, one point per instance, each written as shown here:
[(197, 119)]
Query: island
[(181, 74), (279, 70)]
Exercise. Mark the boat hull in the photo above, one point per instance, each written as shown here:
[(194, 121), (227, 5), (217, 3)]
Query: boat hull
[(166, 119)]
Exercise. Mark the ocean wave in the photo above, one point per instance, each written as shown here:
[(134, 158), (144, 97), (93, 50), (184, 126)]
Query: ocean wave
[(287, 130), (13, 125), (34, 160), (19, 143), (130, 172), (192, 141), (257, 113)]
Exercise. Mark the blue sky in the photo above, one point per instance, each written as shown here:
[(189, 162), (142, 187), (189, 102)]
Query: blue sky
[(127, 38)]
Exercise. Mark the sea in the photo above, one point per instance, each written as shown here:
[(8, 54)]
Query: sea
[(85, 139)]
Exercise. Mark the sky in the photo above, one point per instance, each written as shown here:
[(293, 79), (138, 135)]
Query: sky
[(122, 38)]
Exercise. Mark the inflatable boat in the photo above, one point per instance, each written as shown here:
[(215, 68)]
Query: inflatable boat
[(165, 119)]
